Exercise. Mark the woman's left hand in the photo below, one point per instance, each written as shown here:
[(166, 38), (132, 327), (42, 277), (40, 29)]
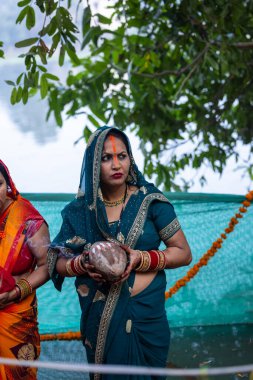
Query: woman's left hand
[(134, 260), (4, 299)]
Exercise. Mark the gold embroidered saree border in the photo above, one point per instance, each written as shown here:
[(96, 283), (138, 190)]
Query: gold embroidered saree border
[(168, 231)]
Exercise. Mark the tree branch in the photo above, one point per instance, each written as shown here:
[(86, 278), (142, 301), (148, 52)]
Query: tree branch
[(239, 45), (167, 72)]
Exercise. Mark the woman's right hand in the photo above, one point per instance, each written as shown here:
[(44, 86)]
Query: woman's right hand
[(134, 261), (7, 298)]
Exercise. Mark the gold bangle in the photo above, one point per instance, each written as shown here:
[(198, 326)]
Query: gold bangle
[(25, 288), (162, 261), (138, 268), (69, 269), (79, 270), (80, 264), (145, 262)]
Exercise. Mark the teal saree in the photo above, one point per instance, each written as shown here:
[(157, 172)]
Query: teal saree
[(118, 328)]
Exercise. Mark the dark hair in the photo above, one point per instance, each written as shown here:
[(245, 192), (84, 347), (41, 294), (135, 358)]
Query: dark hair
[(5, 175), (120, 135)]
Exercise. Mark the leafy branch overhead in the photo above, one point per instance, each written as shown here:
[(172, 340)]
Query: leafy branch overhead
[(178, 73)]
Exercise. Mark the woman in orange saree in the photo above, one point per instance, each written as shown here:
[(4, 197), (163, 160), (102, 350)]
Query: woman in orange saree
[(24, 240)]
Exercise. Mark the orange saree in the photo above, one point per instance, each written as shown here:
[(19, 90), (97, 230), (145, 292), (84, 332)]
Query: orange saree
[(19, 336)]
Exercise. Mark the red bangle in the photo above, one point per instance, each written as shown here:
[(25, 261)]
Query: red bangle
[(154, 255)]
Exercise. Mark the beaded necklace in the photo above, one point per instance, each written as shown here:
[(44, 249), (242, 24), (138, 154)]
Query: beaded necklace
[(117, 202)]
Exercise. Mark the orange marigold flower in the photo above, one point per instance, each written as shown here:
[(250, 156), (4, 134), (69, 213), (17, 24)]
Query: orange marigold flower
[(239, 216), (191, 272), (242, 209), (246, 203), (224, 236), (249, 196)]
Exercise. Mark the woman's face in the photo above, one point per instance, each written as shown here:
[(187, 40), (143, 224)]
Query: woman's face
[(115, 162), (3, 193)]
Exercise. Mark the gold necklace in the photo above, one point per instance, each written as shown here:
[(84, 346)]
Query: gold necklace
[(117, 202)]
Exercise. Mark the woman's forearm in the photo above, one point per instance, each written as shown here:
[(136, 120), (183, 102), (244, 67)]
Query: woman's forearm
[(177, 257)]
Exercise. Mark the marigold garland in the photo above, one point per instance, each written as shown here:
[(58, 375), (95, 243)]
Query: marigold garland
[(214, 247), (61, 336)]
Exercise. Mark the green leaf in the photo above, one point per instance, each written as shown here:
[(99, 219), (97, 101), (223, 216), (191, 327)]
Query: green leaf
[(86, 20), (58, 117), (98, 114), (56, 40), (51, 76), (92, 33), (27, 42), (94, 121), (25, 95), (62, 55), (19, 94), (30, 18), (43, 86), (19, 78), (87, 38), (42, 68), (35, 80), (23, 3), (10, 83), (50, 29), (103, 19), (86, 133), (21, 15), (72, 55), (13, 96), (42, 54)]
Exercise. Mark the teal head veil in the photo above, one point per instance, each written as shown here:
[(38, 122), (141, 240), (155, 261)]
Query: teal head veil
[(95, 216)]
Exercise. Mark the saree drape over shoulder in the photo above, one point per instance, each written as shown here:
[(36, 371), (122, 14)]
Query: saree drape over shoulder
[(19, 337), (119, 328)]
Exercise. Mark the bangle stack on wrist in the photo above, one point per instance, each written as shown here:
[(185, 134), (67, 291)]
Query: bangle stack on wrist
[(151, 261), (25, 288), (74, 267)]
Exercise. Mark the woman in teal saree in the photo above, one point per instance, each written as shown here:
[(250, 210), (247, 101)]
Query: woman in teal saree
[(122, 322)]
